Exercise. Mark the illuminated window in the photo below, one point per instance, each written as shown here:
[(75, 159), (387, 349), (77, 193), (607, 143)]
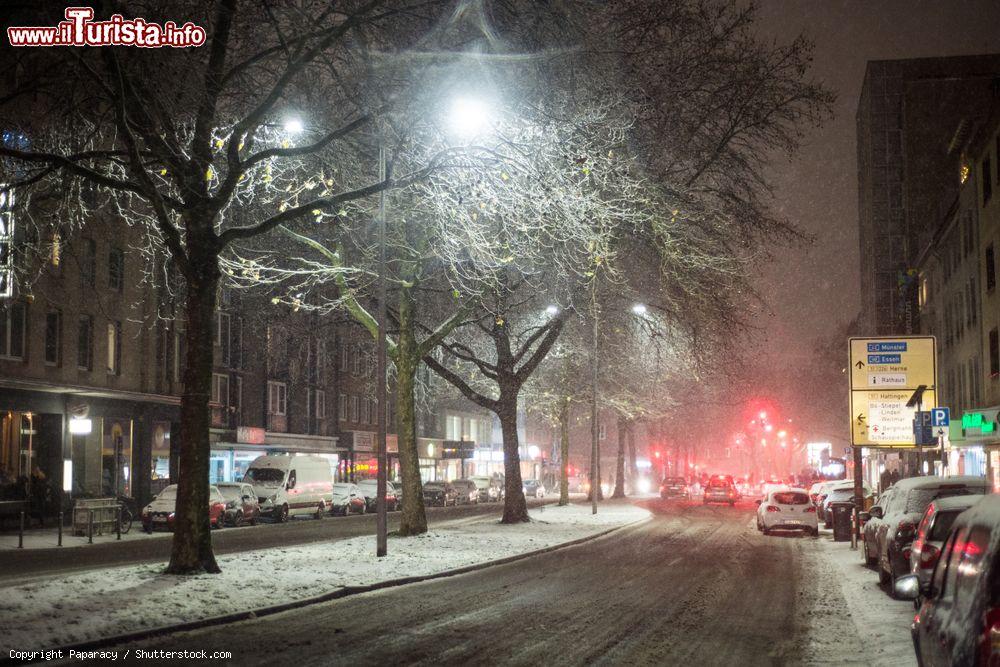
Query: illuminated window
[(12, 325), (114, 348), (277, 398), (220, 389)]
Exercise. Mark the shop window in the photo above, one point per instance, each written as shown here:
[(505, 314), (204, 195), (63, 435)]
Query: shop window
[(277, 398), (53, 338), (13, 320), (114, 348), (85, 343), (116, 269)]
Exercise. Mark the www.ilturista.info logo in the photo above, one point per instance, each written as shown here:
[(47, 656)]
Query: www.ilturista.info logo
[(79, 29)]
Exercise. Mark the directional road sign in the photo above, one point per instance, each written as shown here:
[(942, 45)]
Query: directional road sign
[(884, 374)]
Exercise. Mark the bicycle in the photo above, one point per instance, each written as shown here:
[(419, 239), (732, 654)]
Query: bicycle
[(125, 514)]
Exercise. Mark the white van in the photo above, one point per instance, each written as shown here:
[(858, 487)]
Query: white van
[(291, 484)]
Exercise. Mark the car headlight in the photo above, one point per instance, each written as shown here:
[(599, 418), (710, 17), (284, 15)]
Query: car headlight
[(146, 510)]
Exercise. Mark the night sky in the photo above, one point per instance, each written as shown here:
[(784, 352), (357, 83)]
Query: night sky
[(811, 289)]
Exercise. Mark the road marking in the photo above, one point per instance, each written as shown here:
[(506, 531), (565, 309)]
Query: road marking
[(675, 561)]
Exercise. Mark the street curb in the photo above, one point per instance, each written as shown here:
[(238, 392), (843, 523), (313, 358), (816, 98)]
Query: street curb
[(346, 591)]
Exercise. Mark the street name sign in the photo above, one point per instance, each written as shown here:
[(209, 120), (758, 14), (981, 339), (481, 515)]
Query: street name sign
[(885, 372)]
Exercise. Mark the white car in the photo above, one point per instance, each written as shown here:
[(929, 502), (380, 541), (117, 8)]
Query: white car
[(787, 509)]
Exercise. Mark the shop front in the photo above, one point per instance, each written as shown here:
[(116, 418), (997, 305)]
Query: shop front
[(234, 450)]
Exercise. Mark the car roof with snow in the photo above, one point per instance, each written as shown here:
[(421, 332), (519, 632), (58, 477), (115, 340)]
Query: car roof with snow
[(789, 489), (929, 482), (957, 502)]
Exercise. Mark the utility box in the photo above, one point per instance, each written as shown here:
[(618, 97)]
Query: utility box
[(842, 513)]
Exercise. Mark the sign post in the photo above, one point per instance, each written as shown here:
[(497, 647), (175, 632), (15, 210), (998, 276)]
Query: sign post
[(885, 374)]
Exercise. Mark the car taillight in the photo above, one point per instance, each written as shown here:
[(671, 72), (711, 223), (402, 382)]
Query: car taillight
[(811, 508), (906, 553), (772, 508), (928, 556), (905, 530), (989, 641)]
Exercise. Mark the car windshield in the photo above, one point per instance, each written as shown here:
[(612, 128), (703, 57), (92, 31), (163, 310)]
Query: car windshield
[(264, 476), (342, 488), (434, 486), (918, 499), (674, 480), (231, 492), (169, 493), (791, 498), (481, 482), (942, 525), (531, 482)]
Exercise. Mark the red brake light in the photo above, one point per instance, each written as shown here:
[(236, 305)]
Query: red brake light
[(811, 508), (928, 556), (772, 508)]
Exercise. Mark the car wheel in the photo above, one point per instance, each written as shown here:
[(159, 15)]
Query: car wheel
[(283, 514), (320, 511), (884, 577), (814, 532), (238, 520), (766, 531), (221, 521), (869, 560), (253, 521)]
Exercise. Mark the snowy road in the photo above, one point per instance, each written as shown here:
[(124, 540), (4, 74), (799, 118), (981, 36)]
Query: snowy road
[(696, 585)]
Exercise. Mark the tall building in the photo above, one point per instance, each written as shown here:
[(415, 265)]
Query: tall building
[(913, 118)]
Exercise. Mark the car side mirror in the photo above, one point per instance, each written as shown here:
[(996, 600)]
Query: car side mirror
[(876, 512), (864, 516), (758, 501), (907, 587)]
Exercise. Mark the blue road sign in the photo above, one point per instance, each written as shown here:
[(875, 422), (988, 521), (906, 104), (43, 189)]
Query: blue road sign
[(940, 417), (899, 346), (923, 432), (884, 358)]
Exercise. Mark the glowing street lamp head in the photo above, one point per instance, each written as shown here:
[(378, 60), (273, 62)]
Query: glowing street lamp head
[(552, 310), (763, 415), (294, 126), (468, 117), (768, 428), (639, 309)]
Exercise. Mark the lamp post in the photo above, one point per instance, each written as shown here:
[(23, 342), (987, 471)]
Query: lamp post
[(467, 118)]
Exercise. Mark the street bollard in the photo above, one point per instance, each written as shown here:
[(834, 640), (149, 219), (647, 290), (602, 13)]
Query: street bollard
[(90, 527), (118, 523), (60, 527), (20, 533)]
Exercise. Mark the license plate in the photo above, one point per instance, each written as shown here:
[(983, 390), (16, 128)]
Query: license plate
[(788, 521), (159, 519)]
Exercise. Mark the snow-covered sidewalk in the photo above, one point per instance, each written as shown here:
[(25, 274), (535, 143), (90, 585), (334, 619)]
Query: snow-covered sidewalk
[(68, 610), (873, 629)]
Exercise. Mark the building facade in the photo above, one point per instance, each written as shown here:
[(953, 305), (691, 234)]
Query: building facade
[(912, 119)]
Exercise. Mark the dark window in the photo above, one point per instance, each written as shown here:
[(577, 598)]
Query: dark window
[(53, 338), (116, 269), (85, 343), (987, 180), (994, 353), (991, 268), (88, 261), (12, 334)]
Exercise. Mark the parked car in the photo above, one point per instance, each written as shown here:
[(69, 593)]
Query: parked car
[(242, 505), (347, 499), (824, 490), (869, 527), (490, 489), (814, 491), (441, 494), (896, 521), (533, 488), (159, 514), (932, 531), (720, 489), (959, 620), (841, 492), (397, 488), (369, 489), (673, 487), (291, 484), (787, 509), (468, 492)]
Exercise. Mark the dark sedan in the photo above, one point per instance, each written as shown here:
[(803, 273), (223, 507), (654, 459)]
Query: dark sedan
[(440, 494), (674, 487)]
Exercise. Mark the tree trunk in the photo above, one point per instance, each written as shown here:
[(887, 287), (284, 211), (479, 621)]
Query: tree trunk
[(620, 467), (192, 543), (564, 452), (515, 508), (633, 467), (414, 516)]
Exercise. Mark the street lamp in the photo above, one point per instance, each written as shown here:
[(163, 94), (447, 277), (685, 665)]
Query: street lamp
[(294, 126), (639, 309), (552, 310), (468, 117)]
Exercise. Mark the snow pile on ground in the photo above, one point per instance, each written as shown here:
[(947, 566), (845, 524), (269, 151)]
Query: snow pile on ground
[(66, 610), (880, 635)]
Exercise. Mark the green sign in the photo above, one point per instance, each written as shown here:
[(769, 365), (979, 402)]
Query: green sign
[(977, 420)]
